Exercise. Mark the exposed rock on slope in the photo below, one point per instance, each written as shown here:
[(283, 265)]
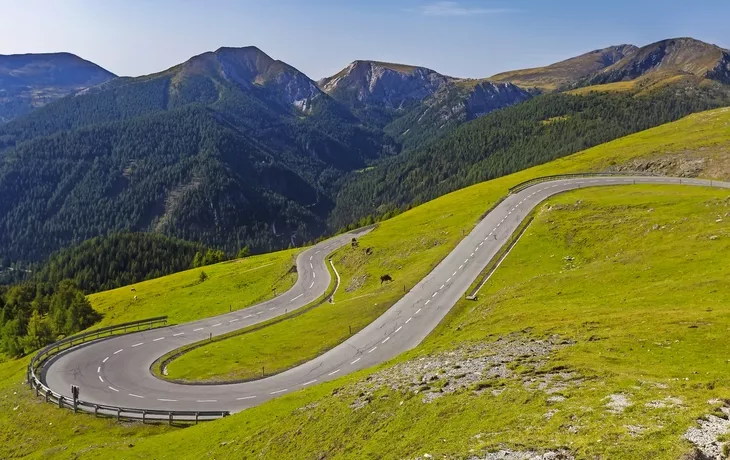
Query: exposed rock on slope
[(28, 81)]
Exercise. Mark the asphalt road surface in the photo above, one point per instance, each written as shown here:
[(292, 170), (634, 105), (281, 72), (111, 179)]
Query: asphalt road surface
[(116, 371)]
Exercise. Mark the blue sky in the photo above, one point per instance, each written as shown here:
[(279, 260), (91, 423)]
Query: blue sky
[(465, 38)]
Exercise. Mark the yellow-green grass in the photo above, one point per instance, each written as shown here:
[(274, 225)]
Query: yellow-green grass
[(183, 297), (634, 277), (408, 246), (270, 429)]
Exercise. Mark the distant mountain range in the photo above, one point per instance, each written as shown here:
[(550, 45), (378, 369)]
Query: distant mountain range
[(234, 148), (29, 81)]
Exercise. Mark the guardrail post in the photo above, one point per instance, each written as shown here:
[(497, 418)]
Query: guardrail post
[(48, 394), (60, 402), (144, 416), (76, 404), (170, 414), (119, 414), (96, 410), (197, 414), (37, 391)]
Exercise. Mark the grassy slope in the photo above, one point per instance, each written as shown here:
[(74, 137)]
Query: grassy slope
[(232, 284), (706, 133), (410, 245), (644, 298)]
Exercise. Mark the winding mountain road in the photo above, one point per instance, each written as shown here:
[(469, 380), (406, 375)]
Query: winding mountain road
[(116, 371)]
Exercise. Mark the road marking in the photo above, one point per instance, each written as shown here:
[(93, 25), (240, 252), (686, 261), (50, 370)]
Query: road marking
[(417, 311), (198, 329), (207, 400), (454, 274), (136, 396), (314, 275), (409, 320), (427, 302), (442, 286), (272, 308), (260, 313), (295, 298), (98, 369), (466, 262), (434, 295), (316, 252), (119, 351), (386, 339), (481, 244), (101, 379), (448, 280), (461, 266), (233, 320), (247, 316), (310, 257), (245, 398), (279, 391), (309, 383), (215, 325), (334, 372), (158, 339), (372, 349), (399, 328), (168, 400), (358, 359), (105, 359), (113, 389), (137, 344), (311, 266), (495, 229), (310, 286), (178, 334)]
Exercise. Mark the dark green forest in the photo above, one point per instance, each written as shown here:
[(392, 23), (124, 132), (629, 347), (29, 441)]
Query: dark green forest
[(509, 140), (117, 260), (33, 315)]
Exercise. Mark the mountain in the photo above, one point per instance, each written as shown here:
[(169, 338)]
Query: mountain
[(567, 73), (414, 104), (453, 104), (667, 58), (28, 81), (231, 148)]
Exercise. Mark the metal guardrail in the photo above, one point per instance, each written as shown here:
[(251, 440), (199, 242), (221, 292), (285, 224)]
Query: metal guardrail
[(41, 390), (523, 185)]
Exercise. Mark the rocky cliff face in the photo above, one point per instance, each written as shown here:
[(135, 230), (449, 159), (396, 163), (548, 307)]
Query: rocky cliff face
[(388, 85), (670, 57)]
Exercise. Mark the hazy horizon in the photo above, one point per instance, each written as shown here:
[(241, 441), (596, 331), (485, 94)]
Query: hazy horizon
[(321, 37)]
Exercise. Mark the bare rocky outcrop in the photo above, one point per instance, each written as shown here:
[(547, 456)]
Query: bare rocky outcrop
[(706, 435)]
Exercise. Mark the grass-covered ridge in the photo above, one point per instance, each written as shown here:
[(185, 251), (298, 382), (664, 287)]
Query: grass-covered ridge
[(603, 333), (183, 297), (408, 246)]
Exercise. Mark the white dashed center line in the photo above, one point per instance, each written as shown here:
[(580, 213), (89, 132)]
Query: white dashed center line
[(309, 383), (207, 400), (119, 351), (409, 320), (158, 339), (198, 329), (448, 280), (434, 294), (386, 339), (168, 400), (233, 320), (417, 311), (311, 266), (454, 274), (310, 286), (113, 389), (334, 372), (137, 344), (442, 286), (136, 396), (295, 298), (358, 359), (247, 316), (245, 398), (461, 266), (98, 369), (399, 328), (372, 349), (216, 325), (427, 302), (178, 334), (101, 379), (279, 391), (314, 275), (272, 308)]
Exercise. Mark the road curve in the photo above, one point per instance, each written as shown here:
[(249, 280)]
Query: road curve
[(116, 371)]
